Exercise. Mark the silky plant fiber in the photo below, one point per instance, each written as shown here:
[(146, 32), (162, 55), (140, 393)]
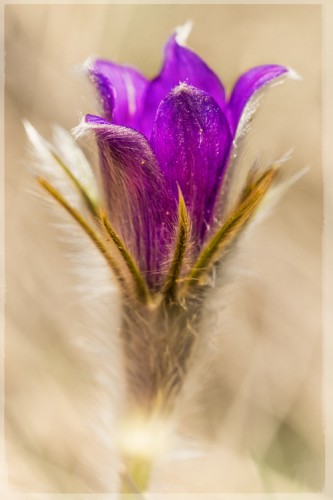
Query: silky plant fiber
[(159, 201)]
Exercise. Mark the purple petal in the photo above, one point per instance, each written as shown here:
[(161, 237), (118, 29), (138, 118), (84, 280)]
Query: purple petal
[(136, 197), (121, 89), (248, 85), (191, 139), (180, 65)]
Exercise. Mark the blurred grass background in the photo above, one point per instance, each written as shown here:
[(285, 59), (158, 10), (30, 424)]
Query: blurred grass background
[(260, 413)]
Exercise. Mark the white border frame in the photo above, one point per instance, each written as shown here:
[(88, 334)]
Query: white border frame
[(327, 39)]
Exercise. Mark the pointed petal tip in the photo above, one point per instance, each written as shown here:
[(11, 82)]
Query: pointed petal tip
[(91, 64), (81, 129), (89, 118), (85, 69), (293, 75), (182, 87), (88, 64), (182, 32), (285, 73), (95, 121)]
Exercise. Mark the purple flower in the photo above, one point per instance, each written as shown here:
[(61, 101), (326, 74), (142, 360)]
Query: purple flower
[(158, 136)]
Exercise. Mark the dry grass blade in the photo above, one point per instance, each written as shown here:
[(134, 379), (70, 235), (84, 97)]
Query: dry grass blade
[(224, 236), (140, 284), (180, 250), (85, 226)]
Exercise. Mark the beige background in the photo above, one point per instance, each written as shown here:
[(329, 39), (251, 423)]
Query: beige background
[(259, 418)]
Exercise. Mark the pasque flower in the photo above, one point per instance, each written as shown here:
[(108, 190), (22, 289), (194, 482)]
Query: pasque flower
[(157, 138), (162, 207)]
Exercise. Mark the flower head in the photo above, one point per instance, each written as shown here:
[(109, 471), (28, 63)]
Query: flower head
[(165, 147), (159, 137)]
